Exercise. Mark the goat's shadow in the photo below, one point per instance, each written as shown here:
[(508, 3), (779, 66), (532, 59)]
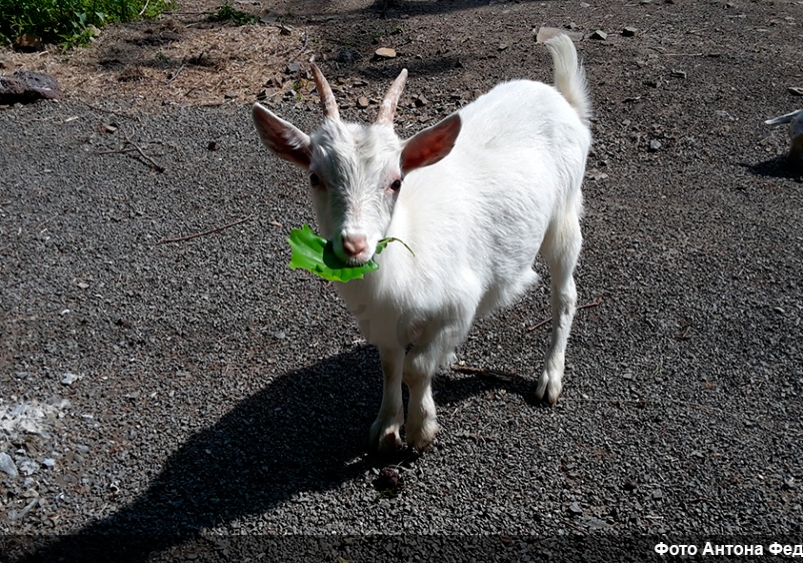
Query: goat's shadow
[(305, 431), (778, 167)]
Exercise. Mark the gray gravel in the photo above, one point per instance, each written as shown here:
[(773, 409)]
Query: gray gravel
[(201, 388)]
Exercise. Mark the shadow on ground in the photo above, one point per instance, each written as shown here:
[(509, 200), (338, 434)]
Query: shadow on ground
[(305, 432), (778, 167)]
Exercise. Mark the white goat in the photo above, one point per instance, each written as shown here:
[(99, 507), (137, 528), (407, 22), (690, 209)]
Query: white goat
[(475, 220), (795, 121)]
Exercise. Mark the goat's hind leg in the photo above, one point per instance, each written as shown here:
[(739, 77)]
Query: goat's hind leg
[(384, 436), (560, 249)]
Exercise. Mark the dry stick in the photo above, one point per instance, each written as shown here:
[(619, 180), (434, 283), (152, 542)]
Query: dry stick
[(304, 48), (96, 108), (176, 75), (156, 166), (115, 151), (209, 232), (586, 306)]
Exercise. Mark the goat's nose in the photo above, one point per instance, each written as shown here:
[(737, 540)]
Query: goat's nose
[(354, 245)]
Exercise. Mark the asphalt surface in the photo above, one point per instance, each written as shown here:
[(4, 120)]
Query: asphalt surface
[(173, 391)]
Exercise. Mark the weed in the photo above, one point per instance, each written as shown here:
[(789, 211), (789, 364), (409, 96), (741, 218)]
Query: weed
[(71, 22), (226, 13)]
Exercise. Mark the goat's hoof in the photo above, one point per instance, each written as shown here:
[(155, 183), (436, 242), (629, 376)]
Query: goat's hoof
[(548, 389), (421, 438), (386, 442)]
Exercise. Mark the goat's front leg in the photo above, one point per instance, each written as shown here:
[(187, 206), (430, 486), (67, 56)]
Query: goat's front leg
[(422, 424), (384, 436)]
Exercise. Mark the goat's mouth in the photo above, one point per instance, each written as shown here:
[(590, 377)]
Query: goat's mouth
[(338, 257)]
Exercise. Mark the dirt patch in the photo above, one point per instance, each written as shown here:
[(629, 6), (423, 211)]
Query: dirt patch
[(179, 58)]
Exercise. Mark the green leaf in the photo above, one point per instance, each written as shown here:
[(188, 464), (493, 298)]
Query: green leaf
[(316, 254)]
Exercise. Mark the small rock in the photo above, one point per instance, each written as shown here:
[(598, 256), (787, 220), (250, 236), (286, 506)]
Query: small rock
[(574, 508), (69, 378), (599, 35), (109, 128), (212, 146), (420, 101), (679, 74), (789, 484), (49, 462), (8, 466), (657, 495), (502, 47), (230, 95), (385, 53), (655, 145), (779, 310), (292, 68), (28, 466), (585, 5), (630, 485), (285, 29), (362, 102), (629, 31), (280, 335)]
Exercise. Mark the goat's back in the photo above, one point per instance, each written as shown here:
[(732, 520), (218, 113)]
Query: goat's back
[(476, 219)]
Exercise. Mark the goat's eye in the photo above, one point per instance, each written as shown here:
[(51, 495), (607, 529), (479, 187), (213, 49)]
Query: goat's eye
[(314, 181), (396, 185)]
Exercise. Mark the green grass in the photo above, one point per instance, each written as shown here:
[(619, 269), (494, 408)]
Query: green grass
[(70, 22)]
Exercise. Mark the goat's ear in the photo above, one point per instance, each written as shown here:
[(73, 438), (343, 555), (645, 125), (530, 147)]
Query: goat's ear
[(430, 145), (282, 138)]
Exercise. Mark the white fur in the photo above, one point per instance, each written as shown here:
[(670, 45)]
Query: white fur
[(476, 220), (795, 121)]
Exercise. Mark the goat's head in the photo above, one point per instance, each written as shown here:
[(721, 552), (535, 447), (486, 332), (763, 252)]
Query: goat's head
[(356, 171)]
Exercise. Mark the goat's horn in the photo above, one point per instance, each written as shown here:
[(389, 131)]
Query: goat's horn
[(388, 108), (327, 97)]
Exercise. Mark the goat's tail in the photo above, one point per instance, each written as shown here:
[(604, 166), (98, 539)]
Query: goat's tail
[(570, 78)]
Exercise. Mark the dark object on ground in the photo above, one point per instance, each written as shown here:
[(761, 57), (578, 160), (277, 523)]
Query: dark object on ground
[(26, 86), (389, 480)]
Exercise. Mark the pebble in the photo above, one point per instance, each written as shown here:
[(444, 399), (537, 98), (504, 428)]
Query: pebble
[(629, 31), (362, 102), (385, 53), (655, 145), (49, 462), (8, 466), (574, 508), (69, 378), (599, 35)]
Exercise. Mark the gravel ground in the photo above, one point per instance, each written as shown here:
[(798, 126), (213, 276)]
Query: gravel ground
[(193, 391)]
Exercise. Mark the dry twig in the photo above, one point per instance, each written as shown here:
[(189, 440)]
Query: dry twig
[(172, 78), (155, 165), (304, 48), (549, 320), (209, 232)]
